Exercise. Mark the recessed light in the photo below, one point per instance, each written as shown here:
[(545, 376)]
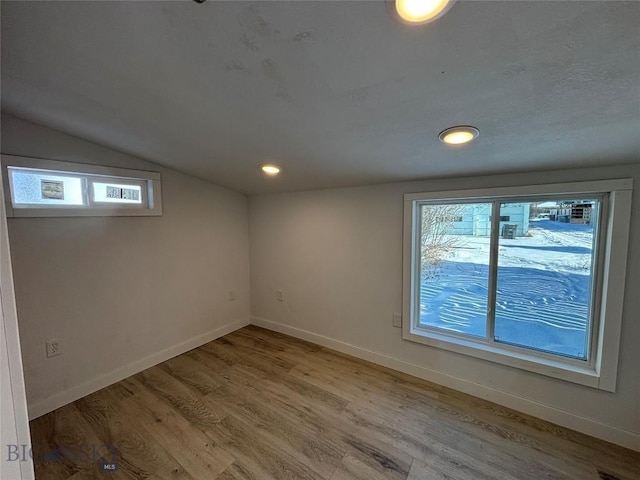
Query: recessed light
[(270, 169), (458, 135), (422, 11)]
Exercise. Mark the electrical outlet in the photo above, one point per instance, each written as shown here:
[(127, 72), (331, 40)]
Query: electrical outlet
[(231, 295), (397, 320), (280, 296), (53, 348)]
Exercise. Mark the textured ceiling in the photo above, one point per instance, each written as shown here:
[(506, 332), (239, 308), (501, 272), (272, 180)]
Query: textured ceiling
[(338, 93)]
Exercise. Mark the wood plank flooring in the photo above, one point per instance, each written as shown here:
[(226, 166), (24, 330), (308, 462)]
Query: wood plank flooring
[(260, 405)]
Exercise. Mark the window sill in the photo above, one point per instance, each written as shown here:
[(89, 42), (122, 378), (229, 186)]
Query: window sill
[(580, 374), (84, 212)]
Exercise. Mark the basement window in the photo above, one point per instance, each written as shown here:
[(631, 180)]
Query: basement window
[(534, 291), (48, 188)]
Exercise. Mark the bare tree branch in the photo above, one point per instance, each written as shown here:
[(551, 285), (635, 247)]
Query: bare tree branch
[(437, 240)]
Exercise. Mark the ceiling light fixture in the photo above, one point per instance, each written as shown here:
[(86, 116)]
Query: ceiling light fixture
[(458, 135), (422, 11), (270, 169)]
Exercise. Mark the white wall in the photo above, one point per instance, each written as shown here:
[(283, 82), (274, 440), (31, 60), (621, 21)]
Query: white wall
[(122, 293), (337, 256)]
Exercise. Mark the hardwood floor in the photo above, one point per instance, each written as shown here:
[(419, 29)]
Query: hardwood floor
[(260, 405)]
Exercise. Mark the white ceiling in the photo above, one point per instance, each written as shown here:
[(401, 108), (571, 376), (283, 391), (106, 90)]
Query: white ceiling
[(337, 92)]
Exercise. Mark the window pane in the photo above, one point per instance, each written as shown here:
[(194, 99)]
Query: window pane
[(117, 193), (37, 187), (545, 266), (454, 266)]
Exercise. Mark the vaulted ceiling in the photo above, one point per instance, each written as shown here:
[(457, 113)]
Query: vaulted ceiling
[(337, 92)]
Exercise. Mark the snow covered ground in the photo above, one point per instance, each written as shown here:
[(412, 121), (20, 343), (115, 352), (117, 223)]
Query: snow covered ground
[(543, 289)]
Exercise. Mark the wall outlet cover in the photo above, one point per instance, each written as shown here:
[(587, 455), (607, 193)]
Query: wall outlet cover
[(53, 348)]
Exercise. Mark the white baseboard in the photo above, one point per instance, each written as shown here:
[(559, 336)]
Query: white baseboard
[(76, 392), (563, 418)]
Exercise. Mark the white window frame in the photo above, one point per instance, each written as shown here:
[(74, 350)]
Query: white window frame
[(150, 183), (608, 291)]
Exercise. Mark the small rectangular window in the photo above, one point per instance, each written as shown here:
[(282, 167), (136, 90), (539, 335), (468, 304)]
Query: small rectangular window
[(44, 188), (37, 187), (117, 193), (542, 293)]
